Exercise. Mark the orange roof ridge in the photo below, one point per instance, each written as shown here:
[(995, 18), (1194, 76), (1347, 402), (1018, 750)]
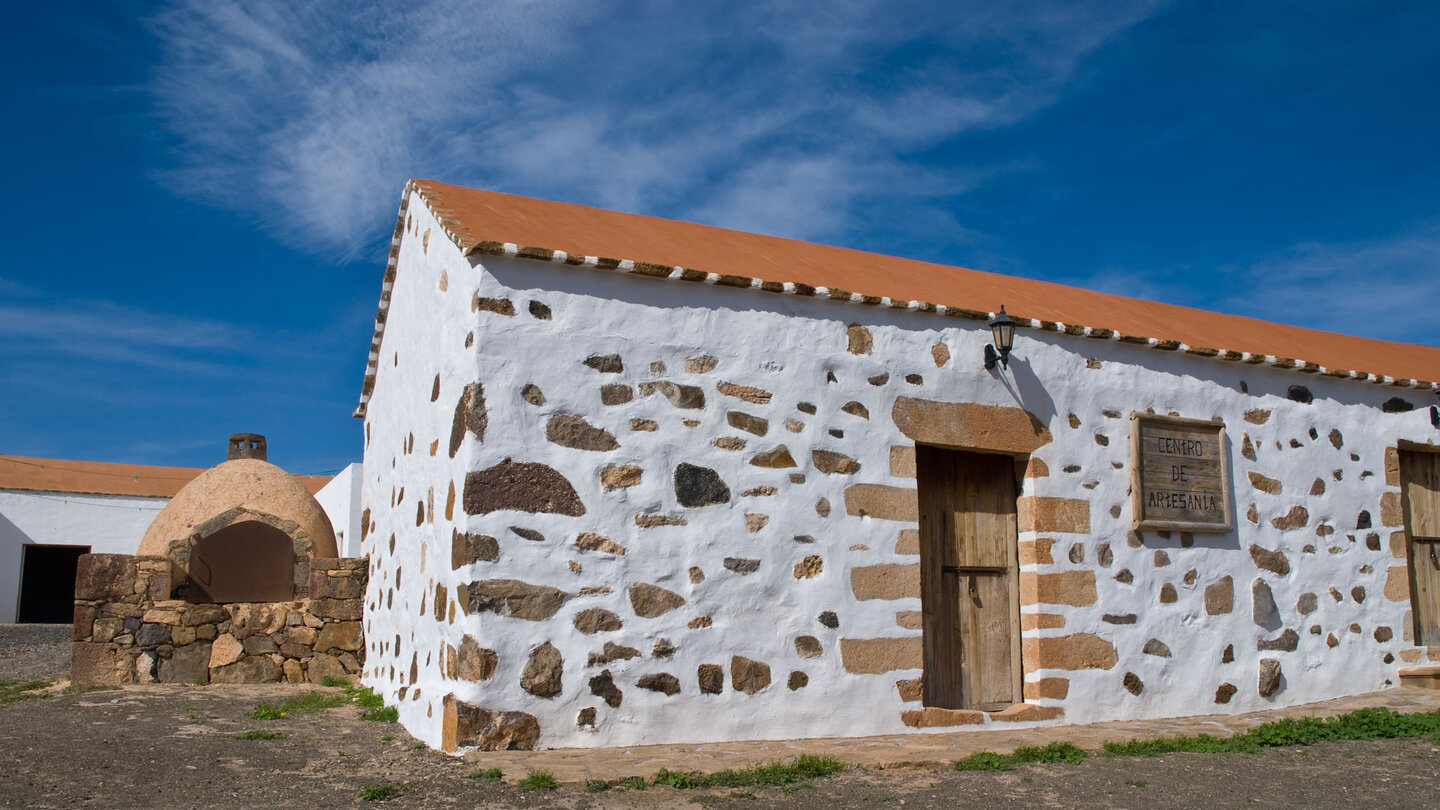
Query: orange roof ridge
[(107, 478), (492, 223)]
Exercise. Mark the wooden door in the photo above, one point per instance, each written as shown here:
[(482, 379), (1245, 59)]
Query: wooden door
[(970, 599), (1420, 493)]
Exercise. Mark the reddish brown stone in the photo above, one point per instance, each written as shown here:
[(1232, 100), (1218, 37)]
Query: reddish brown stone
[(650, 601), (470, 416), (834, 463), (521, 486), (511, 597), (596, 620), (574, 432), (487, 730), (747, 675), (466, 549), (543, 671), (105, 576)]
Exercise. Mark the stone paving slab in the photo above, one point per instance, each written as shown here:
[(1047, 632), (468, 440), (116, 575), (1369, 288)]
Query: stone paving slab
[(924, 750)]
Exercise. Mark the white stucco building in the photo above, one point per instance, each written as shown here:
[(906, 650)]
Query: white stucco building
[(54, 510), (629, 481)]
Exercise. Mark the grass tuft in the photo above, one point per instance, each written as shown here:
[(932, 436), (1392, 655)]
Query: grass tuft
[(770, 774), (539, 780), (332, 680), (384, 714), (379, 793), (493, 774), (24, 689), (261, 734), (1054, 753), (633, 783), (597, 786), (1362, 724)]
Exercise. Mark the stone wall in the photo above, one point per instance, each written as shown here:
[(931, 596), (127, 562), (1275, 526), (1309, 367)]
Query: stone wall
[(606, 509), (129, 630)]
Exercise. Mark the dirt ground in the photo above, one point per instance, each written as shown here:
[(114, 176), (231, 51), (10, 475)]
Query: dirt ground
[(178, 746)]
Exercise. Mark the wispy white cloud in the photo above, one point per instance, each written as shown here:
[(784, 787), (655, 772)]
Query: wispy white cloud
[(780, 117)]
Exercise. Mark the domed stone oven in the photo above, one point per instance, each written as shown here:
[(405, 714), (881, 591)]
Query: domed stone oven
[(236, 581), (243, 531)]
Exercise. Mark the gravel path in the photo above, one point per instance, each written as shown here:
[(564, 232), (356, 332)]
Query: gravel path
[(34, 651)]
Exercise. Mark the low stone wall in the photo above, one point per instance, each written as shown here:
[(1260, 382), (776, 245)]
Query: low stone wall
[(129, 630)]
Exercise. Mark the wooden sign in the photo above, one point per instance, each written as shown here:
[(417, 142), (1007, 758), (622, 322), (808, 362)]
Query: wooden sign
[(1181, 474)]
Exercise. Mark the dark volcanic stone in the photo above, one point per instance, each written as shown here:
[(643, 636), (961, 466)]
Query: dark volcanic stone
[(522, 486), (699, 486), (470, 416)]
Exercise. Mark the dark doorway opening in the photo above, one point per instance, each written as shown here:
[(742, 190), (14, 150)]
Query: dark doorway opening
[(47, 583)]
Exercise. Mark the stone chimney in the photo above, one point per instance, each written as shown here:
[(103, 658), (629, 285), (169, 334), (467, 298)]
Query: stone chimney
[(246, 445)]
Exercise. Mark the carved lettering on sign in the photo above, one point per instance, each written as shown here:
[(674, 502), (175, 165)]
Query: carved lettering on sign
[(1182, 474)]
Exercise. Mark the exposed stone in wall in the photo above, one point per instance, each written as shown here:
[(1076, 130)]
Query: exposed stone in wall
[(621, 476), (1262, 605), (1133, 684), (830, 462), (940, 353), (616, 394), (1264, 483), (809, 568), (473, 662), (882, 502), (874, 656), (466, 549), (596, 620), (748, 422), (1296, 518), (1075, 651), (745, 392), (1168, 596), (470, 416), (684, 397), (662, 682), (612, 652), (1273, 561), (590, 541), (742, 566), (649, 601), (697, 486), (573, 431), (858, 339), (704, 364), (711, 678), (511, 597), (543, 670), (1220, 596), (747, 675), (798, 680), (521, 486), (886, 581), (499, 306), (532, 394), (775, 458), (487, 730), (1075, 588), (808, 647), (1287, 641), (1040, 514), (1270, 675), (1257, 416), (980, 427), (605, 363)]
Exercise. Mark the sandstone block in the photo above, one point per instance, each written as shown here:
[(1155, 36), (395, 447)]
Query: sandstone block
[(775, 458), (1026, 713), (748, 422), (487, 730), (1075, 651), (934, 717), (512, 597), (104, 576), (711, 678), (574, 432), (649, 601), (621, 476), (1053, 688), (882, 502), (225, 650), (747, 675), (1042, 514), (1264, 483), (340, 636), (596, 620), (873, 656), (589, 541), (889, 581), (809, 568), (745, 392), (1075, 588), (543, 671), (981, 427), (662, 682), (467, 549), (475, 663), (1391, 512), (1220, 596), (251, 669), (94, 664)]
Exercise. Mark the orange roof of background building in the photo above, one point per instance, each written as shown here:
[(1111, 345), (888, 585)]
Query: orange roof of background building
[(486, 222), (105, 478)]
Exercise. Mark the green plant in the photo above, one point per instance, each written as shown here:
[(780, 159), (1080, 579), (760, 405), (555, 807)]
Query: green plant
[(492, 774), (379, 793), (267, 711), (1136, 782), (1362, 724), (773, 774), (1056, 752), (539, 780), (633, 783), (261, 734), (386, 737), (417, 745), (24, 689), (308, 703), (331, 680), (384, 714), (597, 786)]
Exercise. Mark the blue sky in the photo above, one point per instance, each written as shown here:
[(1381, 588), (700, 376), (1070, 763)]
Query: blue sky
[(200, 193)]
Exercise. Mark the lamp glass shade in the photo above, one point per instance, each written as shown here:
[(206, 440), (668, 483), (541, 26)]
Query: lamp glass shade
[(1003, 331)]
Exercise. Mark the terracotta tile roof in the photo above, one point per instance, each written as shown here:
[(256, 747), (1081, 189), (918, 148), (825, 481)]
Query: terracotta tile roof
[(104, 478), (488, 222)]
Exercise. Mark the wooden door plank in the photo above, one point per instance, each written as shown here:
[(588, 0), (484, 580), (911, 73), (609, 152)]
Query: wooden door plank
[(1420, 497)]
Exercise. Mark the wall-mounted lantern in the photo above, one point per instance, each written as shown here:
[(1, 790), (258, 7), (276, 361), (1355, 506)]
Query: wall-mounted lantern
[(1002, 331)]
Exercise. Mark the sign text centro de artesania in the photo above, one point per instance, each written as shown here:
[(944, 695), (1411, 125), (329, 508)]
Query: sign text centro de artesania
[(1182, 476)]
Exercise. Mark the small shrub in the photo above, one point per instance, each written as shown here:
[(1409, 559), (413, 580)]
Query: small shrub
[(675, 779), (332, 680), (417, 745), (379, 793), (633, 783), (261, 734), (365, 697), (493, 774), (539, 780), (267, 711), (1056, 752), (597, 786)]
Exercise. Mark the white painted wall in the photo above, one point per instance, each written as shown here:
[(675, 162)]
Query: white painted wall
[(786, 345), (109, 524), (341, 501)]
